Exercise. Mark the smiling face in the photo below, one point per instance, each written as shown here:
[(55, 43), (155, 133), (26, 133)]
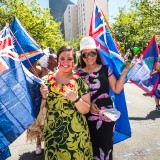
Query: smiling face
[(89, 56), (66, 61)]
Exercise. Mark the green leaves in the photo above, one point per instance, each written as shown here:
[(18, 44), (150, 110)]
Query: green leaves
[(38, 22), (74, 42), (137, 27)]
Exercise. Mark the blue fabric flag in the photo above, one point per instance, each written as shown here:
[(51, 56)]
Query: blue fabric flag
[(5, 154), (28, 50), (19, 97), (111, 57), (142, 73)]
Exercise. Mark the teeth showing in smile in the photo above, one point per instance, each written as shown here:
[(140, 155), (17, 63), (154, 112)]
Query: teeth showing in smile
[(65, 66)]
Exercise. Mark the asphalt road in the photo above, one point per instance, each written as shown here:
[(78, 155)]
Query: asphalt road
[(145, 124)]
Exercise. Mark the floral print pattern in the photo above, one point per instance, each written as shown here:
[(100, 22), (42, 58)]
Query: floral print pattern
[(101, 127), (66, 131)]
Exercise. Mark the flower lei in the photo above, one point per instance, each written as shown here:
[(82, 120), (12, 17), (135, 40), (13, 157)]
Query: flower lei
[(70, 85)]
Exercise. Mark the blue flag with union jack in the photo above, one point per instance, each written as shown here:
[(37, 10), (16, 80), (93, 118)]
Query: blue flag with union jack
[(19, 97), (142, 74), (111, 57), (27, 48)]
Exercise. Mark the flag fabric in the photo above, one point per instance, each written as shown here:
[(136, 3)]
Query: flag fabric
[(19, 96), (3, 65), (142, 73), (111, 57), (27, 48), (6, 153)]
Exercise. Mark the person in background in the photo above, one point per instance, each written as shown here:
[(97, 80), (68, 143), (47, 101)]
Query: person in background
[(127, 54), (47, 63), (99, 78), (134, 60), (157, 90), (66, 97)]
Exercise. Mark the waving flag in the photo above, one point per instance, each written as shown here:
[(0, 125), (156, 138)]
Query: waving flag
[(142, 72), (102, 36), (110, 56), (19, 94), (28, 50)]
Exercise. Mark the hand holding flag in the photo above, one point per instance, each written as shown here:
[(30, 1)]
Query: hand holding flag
[(111, 57)]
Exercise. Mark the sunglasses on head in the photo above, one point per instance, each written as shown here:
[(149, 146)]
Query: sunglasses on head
[(91, 54)]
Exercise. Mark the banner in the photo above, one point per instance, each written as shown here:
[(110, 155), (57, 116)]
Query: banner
[(20, 95), (111, 57), (27, 48), (142, 73)]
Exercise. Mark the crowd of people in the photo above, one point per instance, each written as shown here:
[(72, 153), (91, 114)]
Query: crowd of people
[(74, 125)]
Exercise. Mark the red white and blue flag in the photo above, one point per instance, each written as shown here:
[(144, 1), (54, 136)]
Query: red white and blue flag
[(27, 48), (103, 38), (142, 73), (6, 45), (111, 57), (19, 95), (3, 65)]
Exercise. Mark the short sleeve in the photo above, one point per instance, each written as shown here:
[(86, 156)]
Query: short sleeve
[(82, 87), (110, 71)]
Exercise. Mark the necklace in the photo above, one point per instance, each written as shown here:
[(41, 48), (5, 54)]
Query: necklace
[(61, 88)]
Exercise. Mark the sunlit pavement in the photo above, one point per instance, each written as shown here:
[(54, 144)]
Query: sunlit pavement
[(22, 150), (143, 145)]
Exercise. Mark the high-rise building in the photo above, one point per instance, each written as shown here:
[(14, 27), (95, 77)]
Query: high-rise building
[(70, 22), (58, 8), (85, 8), (84, 13)]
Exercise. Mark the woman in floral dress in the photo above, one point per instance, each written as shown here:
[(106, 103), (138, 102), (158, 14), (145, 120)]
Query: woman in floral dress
[(99, 78), (67, 98)]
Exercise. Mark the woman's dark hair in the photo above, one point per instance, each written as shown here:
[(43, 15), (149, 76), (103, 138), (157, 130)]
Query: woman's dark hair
[(98, 60), (66, 48)]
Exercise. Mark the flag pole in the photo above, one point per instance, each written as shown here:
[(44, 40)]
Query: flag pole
[(32, 68)]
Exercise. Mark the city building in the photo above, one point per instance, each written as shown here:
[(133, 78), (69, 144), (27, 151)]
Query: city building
[(70, 22), (83, 11), (58, 8), (85, 8)]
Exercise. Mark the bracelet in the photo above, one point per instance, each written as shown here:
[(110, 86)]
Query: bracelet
[(77, 100), (44, 98)]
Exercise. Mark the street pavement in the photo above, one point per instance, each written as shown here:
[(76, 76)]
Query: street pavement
[(23, 150), (143, 145), (145, 124)]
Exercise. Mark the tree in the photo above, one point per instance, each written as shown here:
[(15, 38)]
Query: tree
[(39, 23), (74, 42), (136, 28)]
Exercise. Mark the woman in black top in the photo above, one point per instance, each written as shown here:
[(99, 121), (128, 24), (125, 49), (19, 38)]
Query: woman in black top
[(99, 78)]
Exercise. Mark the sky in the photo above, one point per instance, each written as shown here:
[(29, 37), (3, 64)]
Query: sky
[(113, 6)]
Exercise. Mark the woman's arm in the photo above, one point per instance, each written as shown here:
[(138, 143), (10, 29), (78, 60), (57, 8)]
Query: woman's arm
[(43, 104), (117, 85), (83, 104)]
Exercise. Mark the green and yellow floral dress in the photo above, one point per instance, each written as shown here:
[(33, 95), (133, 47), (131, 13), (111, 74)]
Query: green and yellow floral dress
[(66, 131)]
